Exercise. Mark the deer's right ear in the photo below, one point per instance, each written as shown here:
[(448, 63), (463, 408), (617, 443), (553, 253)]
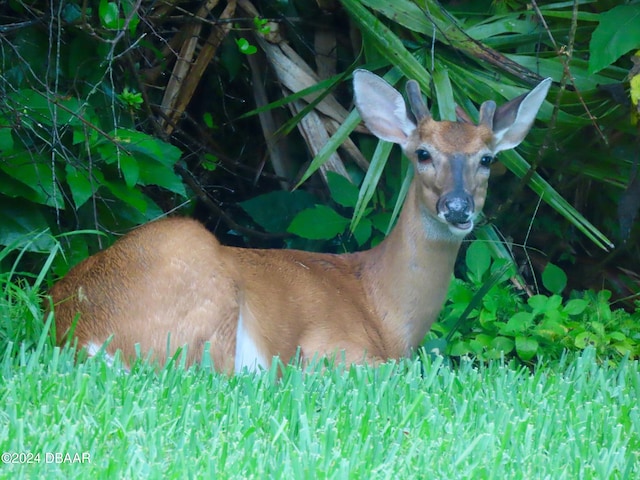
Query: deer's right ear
[(382, 108)]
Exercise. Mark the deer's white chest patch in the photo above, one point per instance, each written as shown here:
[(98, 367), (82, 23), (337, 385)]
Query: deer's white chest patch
[(247, 353), (93, 349)]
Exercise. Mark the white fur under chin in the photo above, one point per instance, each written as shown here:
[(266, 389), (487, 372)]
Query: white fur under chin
[(437, 228), (455, 229)]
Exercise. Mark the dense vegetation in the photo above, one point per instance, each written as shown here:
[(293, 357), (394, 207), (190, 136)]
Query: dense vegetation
[(113, 113)]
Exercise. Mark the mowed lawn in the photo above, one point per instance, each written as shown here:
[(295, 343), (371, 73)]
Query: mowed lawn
[(577, 419)]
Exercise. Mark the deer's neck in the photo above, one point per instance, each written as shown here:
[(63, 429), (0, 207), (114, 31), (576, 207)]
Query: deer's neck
[(407, 275)]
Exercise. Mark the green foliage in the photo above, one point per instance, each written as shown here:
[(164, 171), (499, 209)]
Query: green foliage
[(245, 47), (505, 323), (131, 99), (118, 15), (261, 25), (72, 155), (554, 279), (446, 70), (275, 211), (318, 223), (617, 33), (301, 214)]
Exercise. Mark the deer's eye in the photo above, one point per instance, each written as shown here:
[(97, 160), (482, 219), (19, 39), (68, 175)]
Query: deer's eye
[(487, 160), (423, 155)]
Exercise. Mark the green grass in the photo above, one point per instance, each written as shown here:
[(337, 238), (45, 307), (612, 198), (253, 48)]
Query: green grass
[(576, 419)]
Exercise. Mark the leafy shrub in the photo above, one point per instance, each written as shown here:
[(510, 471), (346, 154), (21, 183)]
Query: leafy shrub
[(315, 225), (72, 154), (503, 321)]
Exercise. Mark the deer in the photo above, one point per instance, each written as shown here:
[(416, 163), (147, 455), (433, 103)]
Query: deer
[(170, 284)]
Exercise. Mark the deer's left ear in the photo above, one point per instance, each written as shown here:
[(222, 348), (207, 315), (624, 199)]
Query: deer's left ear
[(513, 120)]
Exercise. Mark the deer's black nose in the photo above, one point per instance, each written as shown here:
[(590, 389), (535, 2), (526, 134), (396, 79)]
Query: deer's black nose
[(456, 207)]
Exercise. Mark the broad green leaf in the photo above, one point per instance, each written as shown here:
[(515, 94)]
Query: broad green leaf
[(503, 344), (130, 196), (76, 249), (82, 135), (154, 173), (618, 336), (584, 340), (362, 232), (380, 221), (21, 224), (459, 348), (79, 184), (616, 34), (142, 159), (480, 342), (275, 210), (33, 173), (499, 251), (139, 142), (130, 170), (597, 327), (47, 110), (551, 329), (554, 279), (318, 223), (134, 18), (6, 139), (478, 260), (476, 301), (343, 191), (526, 347), (545, 304), (109, 14), (575, 306), (518, 323), (108, 151)]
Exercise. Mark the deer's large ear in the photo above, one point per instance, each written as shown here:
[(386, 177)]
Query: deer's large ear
[(513, 120), (382, 108)]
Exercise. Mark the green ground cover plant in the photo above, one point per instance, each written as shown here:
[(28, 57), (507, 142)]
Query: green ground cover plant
[(487, 316)]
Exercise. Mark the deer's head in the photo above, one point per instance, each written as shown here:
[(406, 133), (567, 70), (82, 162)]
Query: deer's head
[(451, 159)]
